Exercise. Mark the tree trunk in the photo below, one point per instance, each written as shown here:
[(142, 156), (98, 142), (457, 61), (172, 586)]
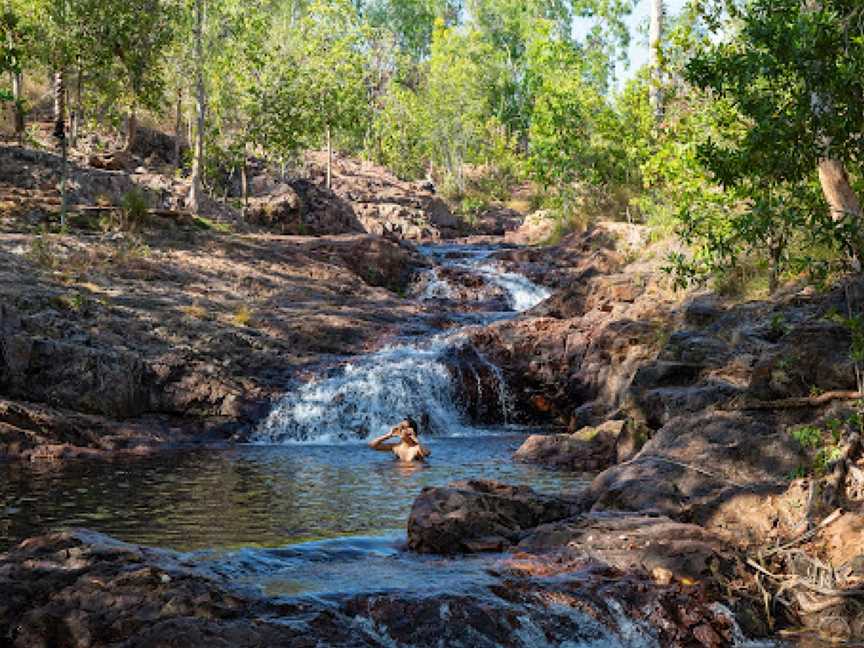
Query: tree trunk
[(655, 37), (131, 129), (18, 105), (244, 183), (838, 192), (198, 161), (78, 113), (178, 126), (60, 136), (329, 159)]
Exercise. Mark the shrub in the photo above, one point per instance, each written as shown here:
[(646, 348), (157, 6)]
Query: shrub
[(133, 209)]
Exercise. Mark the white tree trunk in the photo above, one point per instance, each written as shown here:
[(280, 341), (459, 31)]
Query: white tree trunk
[(200, 105), (655, 37), (329, 159), (60, 135), (18, 106)]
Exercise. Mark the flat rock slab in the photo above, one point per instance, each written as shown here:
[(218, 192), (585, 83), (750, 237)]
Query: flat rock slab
[(633, 542), (588, 450)]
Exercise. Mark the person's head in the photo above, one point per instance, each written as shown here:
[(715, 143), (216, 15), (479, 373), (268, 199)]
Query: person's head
[(408, 434)]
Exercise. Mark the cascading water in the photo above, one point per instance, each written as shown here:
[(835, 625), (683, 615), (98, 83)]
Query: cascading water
[(366, 397), (521, 293)]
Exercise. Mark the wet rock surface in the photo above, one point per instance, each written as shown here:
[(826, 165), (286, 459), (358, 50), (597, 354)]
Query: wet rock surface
[(83, 589)]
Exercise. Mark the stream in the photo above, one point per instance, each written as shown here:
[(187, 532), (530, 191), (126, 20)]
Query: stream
[(304, 511)]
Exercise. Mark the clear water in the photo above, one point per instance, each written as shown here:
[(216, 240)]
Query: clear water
[(250, 496)]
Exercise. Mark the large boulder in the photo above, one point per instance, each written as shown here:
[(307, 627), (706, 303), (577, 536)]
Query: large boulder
[(697, 464), (814, 355), (303, 208), (497, 221), (588, 450), (475, 516), (154, 145), (378, 261)]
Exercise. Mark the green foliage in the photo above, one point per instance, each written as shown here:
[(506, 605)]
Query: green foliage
[(398, 135), (808, 437), (133, 209), (313, 82), (790, 73), (824, 444)]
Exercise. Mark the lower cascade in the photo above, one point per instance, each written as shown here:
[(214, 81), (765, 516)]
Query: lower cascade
[(443, 382), (366, 398)]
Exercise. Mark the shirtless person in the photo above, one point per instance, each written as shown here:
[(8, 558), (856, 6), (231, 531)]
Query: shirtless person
[(408, 448)]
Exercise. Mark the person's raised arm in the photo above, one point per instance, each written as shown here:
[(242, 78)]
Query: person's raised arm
[(378, 444)]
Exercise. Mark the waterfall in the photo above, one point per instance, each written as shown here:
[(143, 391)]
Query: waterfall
[(366, 397)]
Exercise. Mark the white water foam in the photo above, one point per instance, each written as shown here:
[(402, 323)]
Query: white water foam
[(366, 398), (521, 292)]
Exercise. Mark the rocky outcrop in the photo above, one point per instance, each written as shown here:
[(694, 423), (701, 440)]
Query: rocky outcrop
[(695, 464), (200, 336), (479, 516), (537, 228), (85, 589), (31, 431), (587, 450), (497, 220), (68, 373), (304, 208), (362, 197)]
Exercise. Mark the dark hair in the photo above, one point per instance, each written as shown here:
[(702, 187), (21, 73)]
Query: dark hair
[(412, 423)]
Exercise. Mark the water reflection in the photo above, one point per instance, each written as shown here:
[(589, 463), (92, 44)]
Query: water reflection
[(248, 496)]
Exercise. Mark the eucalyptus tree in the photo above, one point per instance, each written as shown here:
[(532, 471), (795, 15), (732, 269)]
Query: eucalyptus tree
[(463, 70), (412, 21), (655, 37), (795, 72), (314, 86)]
